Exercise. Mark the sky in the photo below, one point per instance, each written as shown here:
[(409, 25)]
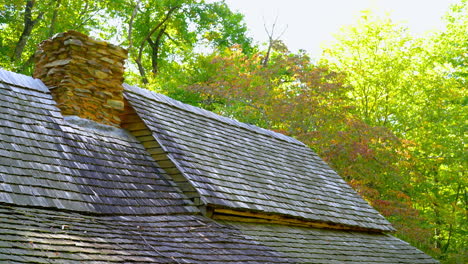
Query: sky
[(307, 24)]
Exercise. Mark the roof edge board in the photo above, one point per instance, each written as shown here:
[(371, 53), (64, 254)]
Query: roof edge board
[(234, 214)]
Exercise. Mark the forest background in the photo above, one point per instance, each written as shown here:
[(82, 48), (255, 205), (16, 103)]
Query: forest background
[(385, 108)]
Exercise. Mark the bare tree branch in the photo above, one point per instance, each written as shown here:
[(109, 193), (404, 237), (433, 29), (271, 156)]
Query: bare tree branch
[(130, 24), (271, 39), (170, 38), (83, 13)]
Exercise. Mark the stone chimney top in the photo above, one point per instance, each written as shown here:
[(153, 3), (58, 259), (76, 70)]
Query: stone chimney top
[(84, 75)]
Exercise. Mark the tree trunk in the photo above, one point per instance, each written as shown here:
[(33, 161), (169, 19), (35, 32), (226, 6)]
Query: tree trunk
[(436, 207), (447, 244), (267, 55), (155, 48), (29, 24), (142, 45), (271, 41)]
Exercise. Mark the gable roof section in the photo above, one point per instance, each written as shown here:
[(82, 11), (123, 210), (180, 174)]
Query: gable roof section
[(48, 162), (244, 167)]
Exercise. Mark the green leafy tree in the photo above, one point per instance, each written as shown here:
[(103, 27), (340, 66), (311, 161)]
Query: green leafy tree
[(443, 136), (163, 34), (160, 35), (24, 24), (414, 87), (453, 41), (375, 53)]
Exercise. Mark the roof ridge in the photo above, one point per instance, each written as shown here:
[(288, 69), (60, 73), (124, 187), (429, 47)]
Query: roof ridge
[(23, 81), (164, 99)]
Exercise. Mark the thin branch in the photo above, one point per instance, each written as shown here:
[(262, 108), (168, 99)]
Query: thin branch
[(83, 10), (83, 13), (154, 249), (54, 18), (170, 38), (130, 25), (447, 245)]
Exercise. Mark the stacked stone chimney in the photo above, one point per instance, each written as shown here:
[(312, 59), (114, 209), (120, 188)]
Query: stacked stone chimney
[(84, 75)]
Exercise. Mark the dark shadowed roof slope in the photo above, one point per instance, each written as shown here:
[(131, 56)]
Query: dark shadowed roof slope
[(48, 162), (235, 165)]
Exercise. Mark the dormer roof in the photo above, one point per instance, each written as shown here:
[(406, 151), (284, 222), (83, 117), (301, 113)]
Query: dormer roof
[(236, 166)]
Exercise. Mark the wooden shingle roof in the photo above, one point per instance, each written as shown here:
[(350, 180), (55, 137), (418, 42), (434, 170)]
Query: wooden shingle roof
[(74, 191)]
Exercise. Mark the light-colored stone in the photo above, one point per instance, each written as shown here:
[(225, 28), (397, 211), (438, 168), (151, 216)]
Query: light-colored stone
[(119, 52), (76, 42), (108, 60), (100, 74), (86, 91), (116, 104), (57, 63), (99, 42)]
